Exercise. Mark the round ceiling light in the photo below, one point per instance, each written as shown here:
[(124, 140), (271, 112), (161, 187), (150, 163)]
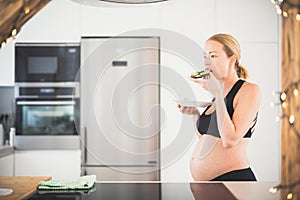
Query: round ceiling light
[(102, 2), (133, 1)]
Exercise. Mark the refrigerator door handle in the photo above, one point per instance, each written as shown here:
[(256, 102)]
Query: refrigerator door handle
[(83, 144), (46, 103), (152, 162)]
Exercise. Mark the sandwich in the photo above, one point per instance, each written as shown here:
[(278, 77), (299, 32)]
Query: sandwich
[(200, 74)]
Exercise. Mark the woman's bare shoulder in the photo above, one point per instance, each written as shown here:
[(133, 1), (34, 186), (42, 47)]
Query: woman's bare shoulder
[(250, 90)]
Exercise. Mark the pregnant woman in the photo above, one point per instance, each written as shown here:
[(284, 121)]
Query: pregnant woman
[(224, 128)]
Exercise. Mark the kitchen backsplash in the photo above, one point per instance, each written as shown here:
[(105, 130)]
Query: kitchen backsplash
[(6, 110), (6, 100)]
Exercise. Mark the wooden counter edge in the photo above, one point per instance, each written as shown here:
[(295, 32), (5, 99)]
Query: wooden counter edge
[(23, 186)]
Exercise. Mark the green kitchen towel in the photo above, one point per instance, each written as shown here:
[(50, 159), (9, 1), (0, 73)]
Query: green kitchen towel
[(82, 183)]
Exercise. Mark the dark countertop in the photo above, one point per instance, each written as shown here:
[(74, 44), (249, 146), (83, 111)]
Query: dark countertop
[(166, 191), (6, 150), (147, 191)]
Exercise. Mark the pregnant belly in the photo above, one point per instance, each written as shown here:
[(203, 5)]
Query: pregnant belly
[(210, 159)]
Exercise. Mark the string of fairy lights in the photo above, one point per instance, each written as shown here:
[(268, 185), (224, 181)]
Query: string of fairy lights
[(292, 91), (9, 37), (289, 187), (284, 102), (282, 7), (12, 35), (285, 97)]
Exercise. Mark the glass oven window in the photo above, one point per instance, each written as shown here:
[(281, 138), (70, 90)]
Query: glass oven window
[(48, 120)]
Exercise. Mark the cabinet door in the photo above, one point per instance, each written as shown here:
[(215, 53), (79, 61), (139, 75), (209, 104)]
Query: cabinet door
[(7, 69), (55, 163), (7, 165)]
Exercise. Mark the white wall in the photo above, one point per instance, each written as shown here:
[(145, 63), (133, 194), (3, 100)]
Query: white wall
[(254, 23)]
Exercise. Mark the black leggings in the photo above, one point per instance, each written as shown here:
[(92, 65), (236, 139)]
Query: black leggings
[(237, 175)]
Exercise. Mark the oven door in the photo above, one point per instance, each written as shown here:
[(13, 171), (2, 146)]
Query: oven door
[(46, 117), (47, 123)]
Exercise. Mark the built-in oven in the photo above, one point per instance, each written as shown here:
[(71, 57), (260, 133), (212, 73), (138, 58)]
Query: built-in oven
[(47, 116), (47, 62)]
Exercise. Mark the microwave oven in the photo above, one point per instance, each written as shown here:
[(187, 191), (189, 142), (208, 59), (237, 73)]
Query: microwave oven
[(47, 62)]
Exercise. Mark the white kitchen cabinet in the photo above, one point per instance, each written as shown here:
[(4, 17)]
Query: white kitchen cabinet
[(7, 165), (7, 66), (59, 164)]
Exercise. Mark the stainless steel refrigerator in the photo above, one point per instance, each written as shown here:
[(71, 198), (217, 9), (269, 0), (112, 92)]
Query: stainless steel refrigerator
[(120, 116)]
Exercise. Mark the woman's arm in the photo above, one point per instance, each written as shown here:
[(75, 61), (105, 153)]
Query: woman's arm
[(246, 106)]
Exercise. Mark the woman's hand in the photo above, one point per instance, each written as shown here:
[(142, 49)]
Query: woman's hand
[(188, 110), (211, 84)]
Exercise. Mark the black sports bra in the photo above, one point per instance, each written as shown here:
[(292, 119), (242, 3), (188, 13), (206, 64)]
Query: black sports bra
[(207, 124)]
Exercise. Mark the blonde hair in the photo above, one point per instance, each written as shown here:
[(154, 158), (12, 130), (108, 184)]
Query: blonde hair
[(231, 47)]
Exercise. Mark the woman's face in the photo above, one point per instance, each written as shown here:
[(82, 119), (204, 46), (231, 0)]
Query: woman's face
[(216, 60)]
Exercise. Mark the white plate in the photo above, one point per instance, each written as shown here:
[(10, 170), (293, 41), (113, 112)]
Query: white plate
[(193, 103), (5, 191)]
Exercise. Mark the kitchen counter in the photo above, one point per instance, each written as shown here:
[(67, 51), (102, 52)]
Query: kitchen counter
[(6, 150), (166, 191), (23, 186)]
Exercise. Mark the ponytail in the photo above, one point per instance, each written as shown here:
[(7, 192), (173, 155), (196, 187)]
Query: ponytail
[(241, 71)]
